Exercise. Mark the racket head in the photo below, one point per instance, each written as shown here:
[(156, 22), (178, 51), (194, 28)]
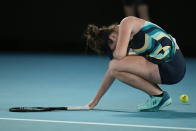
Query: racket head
[(27, 109), (35, 109)]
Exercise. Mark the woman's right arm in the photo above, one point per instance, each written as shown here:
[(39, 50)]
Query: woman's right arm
[(107, 82)]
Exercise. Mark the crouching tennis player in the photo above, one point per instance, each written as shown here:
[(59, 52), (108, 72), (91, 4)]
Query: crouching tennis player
[(142, 56)]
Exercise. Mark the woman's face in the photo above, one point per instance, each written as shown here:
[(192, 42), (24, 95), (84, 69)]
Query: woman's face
[(113, 38)]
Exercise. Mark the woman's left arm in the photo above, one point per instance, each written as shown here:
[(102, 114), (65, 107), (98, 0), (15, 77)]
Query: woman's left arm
[(125, 30)]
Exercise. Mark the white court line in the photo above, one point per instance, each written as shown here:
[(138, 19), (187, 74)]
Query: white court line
[(101, 124)]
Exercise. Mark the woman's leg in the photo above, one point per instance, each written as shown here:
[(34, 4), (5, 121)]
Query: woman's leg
[(137, 72), (143, 11), (138, 82), (129, 10)]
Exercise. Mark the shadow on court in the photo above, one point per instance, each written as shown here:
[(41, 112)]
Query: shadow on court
[(160, 115)]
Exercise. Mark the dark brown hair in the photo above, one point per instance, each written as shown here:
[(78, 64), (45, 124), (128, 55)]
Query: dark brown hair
[(95, 37)]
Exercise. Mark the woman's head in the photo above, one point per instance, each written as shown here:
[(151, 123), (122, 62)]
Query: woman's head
[(99, 39)]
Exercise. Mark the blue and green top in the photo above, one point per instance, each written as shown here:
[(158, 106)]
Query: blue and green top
[(153, 43)]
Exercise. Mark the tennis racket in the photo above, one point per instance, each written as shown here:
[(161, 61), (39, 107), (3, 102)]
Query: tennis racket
[(43, 109)]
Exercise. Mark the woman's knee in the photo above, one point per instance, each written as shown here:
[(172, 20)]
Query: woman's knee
[(113, 67)]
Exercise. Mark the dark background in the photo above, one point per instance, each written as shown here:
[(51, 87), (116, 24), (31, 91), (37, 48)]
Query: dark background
[(57, 26)]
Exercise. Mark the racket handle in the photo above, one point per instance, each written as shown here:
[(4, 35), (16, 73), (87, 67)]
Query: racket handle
[(86, 107)]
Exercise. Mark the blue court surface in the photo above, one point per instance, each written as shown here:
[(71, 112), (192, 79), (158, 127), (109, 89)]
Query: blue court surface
[(73, 80)]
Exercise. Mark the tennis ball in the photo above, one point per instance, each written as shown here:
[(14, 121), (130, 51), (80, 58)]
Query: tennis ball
[(184, 98)]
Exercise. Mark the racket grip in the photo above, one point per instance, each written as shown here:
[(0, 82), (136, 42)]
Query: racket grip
[(86, 107)]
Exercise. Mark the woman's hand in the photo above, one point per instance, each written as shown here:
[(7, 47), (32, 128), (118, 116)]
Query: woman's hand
[(92, 104)]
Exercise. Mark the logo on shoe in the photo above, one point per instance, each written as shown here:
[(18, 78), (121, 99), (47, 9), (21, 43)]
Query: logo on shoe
[(154, 102)]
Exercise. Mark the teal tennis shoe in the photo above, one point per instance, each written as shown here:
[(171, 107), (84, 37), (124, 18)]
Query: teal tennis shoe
[(156, 103)]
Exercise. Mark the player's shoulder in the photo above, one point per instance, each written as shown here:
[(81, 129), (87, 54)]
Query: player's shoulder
[(129, 19), (132, 22)]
